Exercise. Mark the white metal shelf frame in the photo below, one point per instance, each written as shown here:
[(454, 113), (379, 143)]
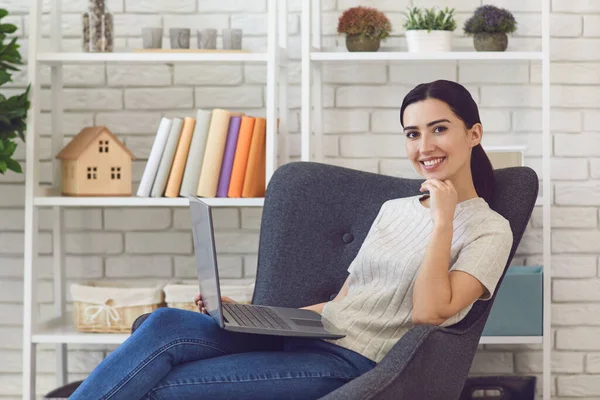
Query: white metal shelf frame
[(312, 57), (60, 330)]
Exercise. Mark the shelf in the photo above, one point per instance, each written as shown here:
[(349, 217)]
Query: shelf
[(344, 55), (149, 57), (142, 202), (62, 330)]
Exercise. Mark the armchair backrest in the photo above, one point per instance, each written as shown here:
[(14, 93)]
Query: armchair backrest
[(316, 216)]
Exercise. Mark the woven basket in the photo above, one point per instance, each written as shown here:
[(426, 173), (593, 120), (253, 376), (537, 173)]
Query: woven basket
[(181, 295), (112, 307)]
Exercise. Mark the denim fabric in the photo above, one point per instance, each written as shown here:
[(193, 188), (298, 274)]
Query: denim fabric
[(177, 354)]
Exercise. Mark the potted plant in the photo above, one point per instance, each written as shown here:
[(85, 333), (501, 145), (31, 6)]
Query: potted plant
[(364, 27), (489, 26), (429, 29), (13, 110)]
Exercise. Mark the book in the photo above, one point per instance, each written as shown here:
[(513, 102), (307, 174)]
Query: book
[(189, 183), (213, 155), (255, 179), (164, 168), (181, 155), (240, 160), (156, 152), (228, 156)]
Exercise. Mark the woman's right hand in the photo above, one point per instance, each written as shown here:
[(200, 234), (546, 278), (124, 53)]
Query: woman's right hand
[(200, 304)]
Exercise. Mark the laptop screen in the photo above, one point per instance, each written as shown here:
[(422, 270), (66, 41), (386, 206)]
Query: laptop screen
[(206, 262)]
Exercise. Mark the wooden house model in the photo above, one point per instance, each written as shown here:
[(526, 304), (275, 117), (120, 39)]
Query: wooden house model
[(95, 163)]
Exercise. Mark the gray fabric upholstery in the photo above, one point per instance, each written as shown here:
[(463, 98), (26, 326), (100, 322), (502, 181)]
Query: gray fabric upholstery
[(315, 218)]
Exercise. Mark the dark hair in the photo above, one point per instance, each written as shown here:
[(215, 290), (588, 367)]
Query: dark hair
[(462, 104)]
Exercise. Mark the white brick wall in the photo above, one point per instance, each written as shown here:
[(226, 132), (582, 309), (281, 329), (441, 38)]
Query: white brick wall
[(361, 125)]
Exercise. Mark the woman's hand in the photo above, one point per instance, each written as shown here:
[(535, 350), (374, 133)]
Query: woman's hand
[(443, 199), (200, 304)]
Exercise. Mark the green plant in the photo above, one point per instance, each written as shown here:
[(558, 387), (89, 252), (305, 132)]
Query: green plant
[(490, 19), (430, 19), (13, 110), (364, 21)]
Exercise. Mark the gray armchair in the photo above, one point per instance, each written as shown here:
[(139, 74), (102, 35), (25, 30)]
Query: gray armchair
[(316, 217)]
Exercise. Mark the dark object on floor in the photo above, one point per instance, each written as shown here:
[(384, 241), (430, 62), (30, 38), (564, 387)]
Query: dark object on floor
[(499, 388), (63, 392), (315, 219)]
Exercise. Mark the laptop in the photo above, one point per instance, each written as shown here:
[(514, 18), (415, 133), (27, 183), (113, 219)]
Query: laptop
[(250, 318)]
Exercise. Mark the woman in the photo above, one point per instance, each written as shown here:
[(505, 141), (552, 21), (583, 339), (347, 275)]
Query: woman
[(399, 278)]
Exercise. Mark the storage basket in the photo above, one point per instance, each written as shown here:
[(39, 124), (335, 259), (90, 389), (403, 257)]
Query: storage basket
[(181, 295), (110, 307)]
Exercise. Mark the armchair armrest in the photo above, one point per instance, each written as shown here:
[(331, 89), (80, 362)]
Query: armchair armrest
[(428, 362)]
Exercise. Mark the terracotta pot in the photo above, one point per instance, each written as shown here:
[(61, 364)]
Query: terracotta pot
[(361, 43), (484, 41)]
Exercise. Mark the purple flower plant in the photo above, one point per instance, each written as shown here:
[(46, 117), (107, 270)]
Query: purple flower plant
[(490, 19)]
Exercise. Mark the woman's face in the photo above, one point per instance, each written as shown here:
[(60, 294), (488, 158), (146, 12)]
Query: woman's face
[(433, 133)]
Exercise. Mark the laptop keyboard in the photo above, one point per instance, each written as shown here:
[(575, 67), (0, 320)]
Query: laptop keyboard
[(252, 315)]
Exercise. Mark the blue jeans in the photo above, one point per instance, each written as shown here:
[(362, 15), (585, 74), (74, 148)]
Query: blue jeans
[(177, 354)]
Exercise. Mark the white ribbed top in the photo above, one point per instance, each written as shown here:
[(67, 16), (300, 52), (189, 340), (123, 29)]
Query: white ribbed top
[(377, 310)]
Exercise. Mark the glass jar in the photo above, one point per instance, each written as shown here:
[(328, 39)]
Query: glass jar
[(98, 34)]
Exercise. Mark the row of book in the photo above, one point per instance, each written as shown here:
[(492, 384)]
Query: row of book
[(219, 153)]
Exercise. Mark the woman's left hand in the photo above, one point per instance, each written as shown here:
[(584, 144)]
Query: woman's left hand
[(443, 199)]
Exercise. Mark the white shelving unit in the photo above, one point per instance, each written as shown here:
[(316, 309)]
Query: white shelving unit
[(60, 330), (313, 57)]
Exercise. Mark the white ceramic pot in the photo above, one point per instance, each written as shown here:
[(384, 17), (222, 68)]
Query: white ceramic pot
[(422, 41)]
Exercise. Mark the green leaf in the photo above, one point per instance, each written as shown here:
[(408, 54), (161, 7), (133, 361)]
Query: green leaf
[(8, 28), (14, 165), (3, 166), (3, 13)]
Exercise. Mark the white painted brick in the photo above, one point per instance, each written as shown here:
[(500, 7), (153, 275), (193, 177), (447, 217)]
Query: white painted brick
[(531, 243), (76, 267), (578, 338), (296, 5), (383, 5), (251, 218), (580, 241), (12, 266), (569, 49), (12, 314), (232, 6), (369, 165), (569, 73), (209, 74), (329, 23), (238, 97), (579, 145), (294, 97), (252, 74), (417, 72), (12, 219), (86, 99), (459, 5), (236, 242), (576, 289), (486, 72), (578, 194), (560, 120), (223, 218), (568, 266), (94, 243), (591, 119), (163, 243), (511, 96), (134, 75), (355, 73), (12, 291), (575, 96), (76, 6), (75, 219), (134, 266), (562, 362), (385, 121), (578, 385), (77, 75), (575, 314), (78, 361), (257, 24), (330, 146), (561, 168), (372, 146), (16, 20), (159, 99), (401, 168), (345, 121), (131, 122), (142, 219), (139, 145), (595, 168), (71, 25), (160, 6), (567, 217), (575, 6), (592, 363), (193, 22), (492, 362), (130, 24), (250, 265), (494, 120), (229, 266), (13, 243), (11, 338), (370, 96), (72, 122)]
